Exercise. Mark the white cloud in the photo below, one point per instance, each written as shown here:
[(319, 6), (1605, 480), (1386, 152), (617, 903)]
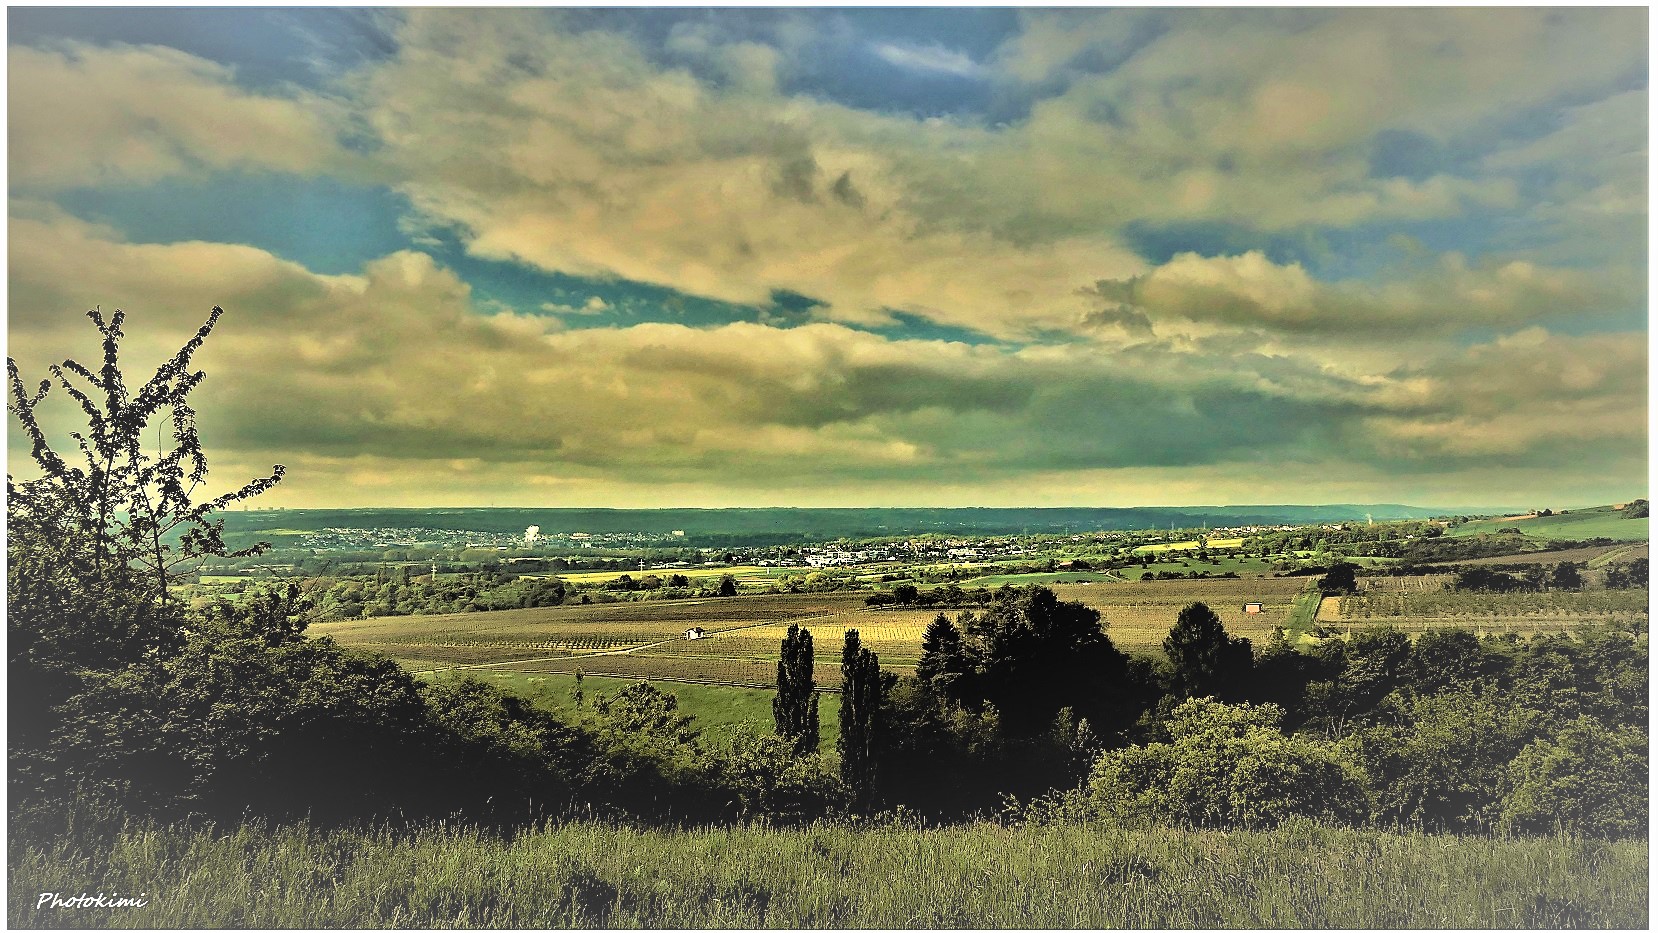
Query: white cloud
[(928, 58), (1195, 295), (82, 115), (379, 380)]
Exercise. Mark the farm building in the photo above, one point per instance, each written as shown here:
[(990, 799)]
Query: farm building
[(1252, 609), (695, 632)]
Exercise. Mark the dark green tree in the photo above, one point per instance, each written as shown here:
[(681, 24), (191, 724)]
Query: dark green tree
[(944, 658), (1206, 661), (863, 688), (1586, 779), (1035, 655), (794, 709), (1566, 576), (1228, 765), (1341, 580), (1452, 659), (728, 585)]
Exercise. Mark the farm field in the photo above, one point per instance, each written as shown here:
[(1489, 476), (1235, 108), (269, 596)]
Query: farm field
[(577, 633), (1578, 524), (1522, 613), (645, 640), (1214, 544), (1593, 556), (1140, 614)]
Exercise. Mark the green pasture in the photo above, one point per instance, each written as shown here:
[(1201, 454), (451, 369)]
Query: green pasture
[(1576, 525), (1223, 564), (715, 707)]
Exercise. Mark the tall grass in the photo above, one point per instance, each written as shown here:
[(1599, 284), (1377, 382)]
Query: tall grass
[(587, 874)]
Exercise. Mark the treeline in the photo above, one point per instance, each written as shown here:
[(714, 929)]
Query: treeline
[(950, 595), (1525, 577), (399, 594), (1450, 732)]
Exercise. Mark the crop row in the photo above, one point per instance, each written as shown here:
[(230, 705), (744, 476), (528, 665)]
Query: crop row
[(1433, 582), (1556, 604)]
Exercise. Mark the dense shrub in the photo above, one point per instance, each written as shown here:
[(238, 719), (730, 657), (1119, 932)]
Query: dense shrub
[(233, 723), (1229, 765), (1585, 779), (1441, 763)]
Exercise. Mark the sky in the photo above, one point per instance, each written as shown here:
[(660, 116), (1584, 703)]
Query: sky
[(857, 257)]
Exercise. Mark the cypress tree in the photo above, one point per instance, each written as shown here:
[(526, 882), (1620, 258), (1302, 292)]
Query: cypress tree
[(862, 689), (795, 707), (1206, 660), (943, 658)]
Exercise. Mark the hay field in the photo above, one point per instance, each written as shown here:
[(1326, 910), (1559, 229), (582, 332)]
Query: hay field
[(1215, 544)]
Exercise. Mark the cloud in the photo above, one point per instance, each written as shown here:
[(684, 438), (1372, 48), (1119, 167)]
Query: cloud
[(381, 381), (1569, 400), (1515, 136), (1250, 290), (934, 58), (578, 151), (83, 115)]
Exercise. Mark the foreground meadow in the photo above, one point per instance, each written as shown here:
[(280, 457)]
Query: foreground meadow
[(586, 874)]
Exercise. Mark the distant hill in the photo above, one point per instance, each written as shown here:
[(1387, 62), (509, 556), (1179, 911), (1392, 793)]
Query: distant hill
[(819, 524), (1574, 525)]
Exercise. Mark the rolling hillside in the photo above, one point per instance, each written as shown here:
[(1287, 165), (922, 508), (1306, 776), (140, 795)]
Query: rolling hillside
[(1575, 525)]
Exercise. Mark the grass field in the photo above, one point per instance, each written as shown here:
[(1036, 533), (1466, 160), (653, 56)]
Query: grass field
[(716, 708), (1576, 525), (984, 875)]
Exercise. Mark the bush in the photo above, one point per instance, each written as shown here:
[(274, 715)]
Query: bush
[(1443, 767), (1229, 765), (232, 723), (769, 780), (1585, 779), (500, 756)]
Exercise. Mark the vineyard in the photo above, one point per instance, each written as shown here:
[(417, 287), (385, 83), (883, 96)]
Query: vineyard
[(1139, 615), (1430, 605), (647, 639), (1432, 582)]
